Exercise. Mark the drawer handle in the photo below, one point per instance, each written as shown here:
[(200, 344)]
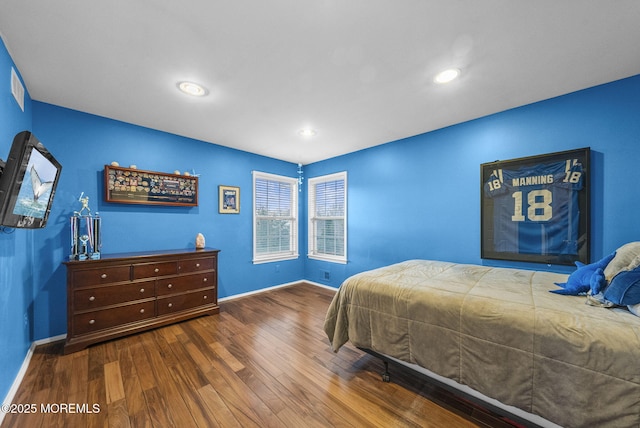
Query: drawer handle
[(142, 290), (103, 276), (170, 286), (92, 321), (205, 297), (156, 270), (142, 311), (92, 298), (170, 305), (204, 280), (197, 264)]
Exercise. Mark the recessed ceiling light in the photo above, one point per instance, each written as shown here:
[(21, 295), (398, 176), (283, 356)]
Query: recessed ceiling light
[(194, 89), (447, 76), (307, 132)]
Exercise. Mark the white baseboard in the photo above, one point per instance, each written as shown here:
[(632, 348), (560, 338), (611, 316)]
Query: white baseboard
[(317, 284), (23, 369), (262, 290)]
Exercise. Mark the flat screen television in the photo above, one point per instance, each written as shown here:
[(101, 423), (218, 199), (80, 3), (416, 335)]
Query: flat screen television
[(28, 182)]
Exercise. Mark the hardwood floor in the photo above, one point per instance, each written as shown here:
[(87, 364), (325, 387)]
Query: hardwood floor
[(264, 361)]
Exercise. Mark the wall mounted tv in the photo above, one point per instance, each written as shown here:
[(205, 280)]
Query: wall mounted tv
[(28, 181)]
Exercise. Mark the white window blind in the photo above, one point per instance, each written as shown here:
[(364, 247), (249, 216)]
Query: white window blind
[(328, 217), (275, 217)]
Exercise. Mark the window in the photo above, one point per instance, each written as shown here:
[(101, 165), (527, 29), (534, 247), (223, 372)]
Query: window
[(275, 217), (328, 217)]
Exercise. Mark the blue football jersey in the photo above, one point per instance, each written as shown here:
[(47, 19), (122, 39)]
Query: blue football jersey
[(535, 208)]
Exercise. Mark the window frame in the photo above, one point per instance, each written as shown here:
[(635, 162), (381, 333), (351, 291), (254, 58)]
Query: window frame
[(313, 252), (294, 233)]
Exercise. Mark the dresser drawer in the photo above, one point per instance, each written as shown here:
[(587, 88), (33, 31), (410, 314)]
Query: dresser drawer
[(101, 275), (151, 270), (195, 265), (181, 302), (98, 297), (99, 320), (180, 284)]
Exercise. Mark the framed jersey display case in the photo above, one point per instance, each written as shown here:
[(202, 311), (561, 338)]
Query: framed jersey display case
[(536, 209)]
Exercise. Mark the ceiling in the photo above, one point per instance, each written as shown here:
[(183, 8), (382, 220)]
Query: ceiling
[(359, 72)]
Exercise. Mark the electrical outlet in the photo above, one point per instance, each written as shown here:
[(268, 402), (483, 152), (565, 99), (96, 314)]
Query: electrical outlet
[(325, 275)]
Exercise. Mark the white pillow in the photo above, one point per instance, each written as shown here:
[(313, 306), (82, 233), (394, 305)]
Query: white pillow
[(627, 258)]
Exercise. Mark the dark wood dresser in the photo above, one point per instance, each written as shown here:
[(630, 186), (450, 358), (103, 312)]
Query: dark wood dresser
[(121, 294)]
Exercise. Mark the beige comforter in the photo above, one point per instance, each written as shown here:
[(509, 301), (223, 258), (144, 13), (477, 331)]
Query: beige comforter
[(500, 332)]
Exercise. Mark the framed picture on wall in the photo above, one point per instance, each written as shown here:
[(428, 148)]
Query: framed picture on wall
[(536, 209), (229, 200), (136, 186)]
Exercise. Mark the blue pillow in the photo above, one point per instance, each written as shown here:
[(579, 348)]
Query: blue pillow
[(624, 288), (579, 282)]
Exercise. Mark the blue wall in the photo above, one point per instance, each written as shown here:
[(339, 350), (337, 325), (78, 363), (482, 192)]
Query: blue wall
[(17, 249), (420, 197)]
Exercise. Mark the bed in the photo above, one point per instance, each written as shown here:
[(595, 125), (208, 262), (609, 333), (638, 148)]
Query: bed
[(501, 334)]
